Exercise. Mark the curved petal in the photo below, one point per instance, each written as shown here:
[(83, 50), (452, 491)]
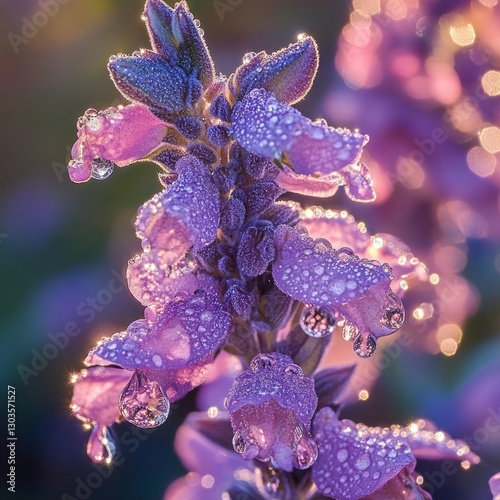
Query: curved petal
[(95, 394), (183, 216), (184, 333), (120, 135), (312, 272), (353, 462), (264, 126)]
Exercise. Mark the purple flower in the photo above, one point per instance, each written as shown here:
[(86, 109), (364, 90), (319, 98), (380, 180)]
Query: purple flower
[(230, 275), (271, 406), (118, 136)]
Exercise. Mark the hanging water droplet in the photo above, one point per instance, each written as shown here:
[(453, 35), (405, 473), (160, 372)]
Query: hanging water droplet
[(293, 370), (306, 450), (317, 322), (248, 57), (100, 447), (365, 346), (239, 443), (102, 169), (394, 313), (143, 402)]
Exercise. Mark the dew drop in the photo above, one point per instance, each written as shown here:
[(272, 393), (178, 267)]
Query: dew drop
[(293, 370), (317, 322), (239, 443), (248, 57), (342, 455), (262, 361), (364, 346), (143, 402), (102, 169), (100, 447), (306, 451), (363, 462), (349, 332), (394, 313)]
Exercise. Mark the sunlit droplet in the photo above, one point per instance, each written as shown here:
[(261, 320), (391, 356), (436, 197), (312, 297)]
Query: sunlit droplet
[(102, 169), (143, 402), (491, 82), (365, 346), (449, 347), (317, 322)]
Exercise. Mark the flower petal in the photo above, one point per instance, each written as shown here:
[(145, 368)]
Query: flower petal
[(353, 462), (121, 135), (494, 483), (312, 272), (271, 406), (95, 394), (185, 332), (184, 215), (264, 126)]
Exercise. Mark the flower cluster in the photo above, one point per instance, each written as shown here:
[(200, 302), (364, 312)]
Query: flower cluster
[(234, 279)]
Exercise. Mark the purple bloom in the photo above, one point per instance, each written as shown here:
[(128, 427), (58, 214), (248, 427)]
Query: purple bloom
[(118, 136), (271, 406), (229, 268)]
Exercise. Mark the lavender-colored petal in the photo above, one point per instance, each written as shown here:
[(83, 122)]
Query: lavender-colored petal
[(429, 443), (203, 152), (271, 406), (95, 394), (403, 486), (240, 301), (184, 333), (494, 483), (352, 461), (312, 272), (264, 126), (358, 182), (319, 187), (288, 74), (183, 216), (132, 76), (255, 251), (178, 382), (120, 135), (341, 229), (330, 383), (152, 281)]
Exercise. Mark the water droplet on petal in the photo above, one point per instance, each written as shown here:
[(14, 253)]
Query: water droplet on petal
[(143, 402), (100, 447), (349, 331), (342, 455), (262, 361), (306, 450), (102, 169), (248, 57), (293, 370), (363, 462), (394, 313), (239, 444), (365, 346), (317, 322)]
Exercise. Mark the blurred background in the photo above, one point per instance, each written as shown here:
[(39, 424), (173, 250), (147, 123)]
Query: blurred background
[(422, 78)]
